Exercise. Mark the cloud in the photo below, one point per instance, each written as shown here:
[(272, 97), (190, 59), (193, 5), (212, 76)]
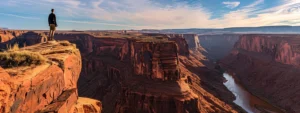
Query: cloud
[(19, 16), (151, 14), (101, 23), (231, 5), (254, 4)]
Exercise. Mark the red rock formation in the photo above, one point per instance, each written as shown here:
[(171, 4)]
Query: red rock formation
[(86, 105), (143, 74), (207, 83), (181, 42), (268, 65), (281, 50), (49, 87), (7, 35), (152, 63), (83, 41), (108, 75)]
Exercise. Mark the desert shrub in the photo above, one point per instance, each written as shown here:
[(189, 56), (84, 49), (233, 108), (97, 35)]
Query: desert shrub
[(11, 59), (15, 47), (65, 43)]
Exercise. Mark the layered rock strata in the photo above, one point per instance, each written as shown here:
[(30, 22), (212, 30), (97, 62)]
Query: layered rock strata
[(48, 87), (268, 66), (132, 73), (6, 36)]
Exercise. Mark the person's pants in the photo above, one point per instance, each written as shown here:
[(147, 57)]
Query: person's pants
[(52, 31)]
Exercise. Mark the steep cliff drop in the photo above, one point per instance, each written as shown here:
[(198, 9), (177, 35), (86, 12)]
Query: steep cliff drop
[(217, 46), (42, 78), (268, 66), (133, 72)]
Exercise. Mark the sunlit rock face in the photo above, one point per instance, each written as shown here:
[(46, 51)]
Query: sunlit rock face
[(268, 65), (283, 49), (129, 68), (6, 36), (47, 87), (129, 74)]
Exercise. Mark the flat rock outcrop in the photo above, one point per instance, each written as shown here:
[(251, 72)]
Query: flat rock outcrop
[(50, 86), (268, 66)]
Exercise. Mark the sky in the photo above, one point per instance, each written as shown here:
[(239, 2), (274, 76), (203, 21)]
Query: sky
[(148, 14)]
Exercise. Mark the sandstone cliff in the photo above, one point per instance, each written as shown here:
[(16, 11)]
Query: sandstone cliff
[(181, 42), (127, 75), (43, 78), (7, 35), (133, 73), (268, 65)]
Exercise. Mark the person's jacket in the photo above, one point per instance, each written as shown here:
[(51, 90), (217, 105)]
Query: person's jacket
[(52, 19)]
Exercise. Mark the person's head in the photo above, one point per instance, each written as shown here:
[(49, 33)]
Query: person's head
[(52, 10)]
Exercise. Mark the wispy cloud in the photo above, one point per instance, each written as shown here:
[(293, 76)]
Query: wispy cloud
[(254, 4), (179, 14), (19, 16), (231, 5), (101, 23)]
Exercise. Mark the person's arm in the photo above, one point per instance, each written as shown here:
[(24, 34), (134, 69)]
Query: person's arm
[(49, 20), (55, 20)]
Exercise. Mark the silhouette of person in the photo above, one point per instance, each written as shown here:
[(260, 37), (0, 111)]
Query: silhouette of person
[(53, 24)]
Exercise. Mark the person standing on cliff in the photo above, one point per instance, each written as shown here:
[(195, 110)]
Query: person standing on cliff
[(53, 24)]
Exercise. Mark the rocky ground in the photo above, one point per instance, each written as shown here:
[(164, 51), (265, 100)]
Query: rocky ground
[(49, 86)]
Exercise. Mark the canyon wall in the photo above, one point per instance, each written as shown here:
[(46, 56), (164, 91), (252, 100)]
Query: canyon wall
[(192, 40), (217, 46), (181, 42), (126, 76), (7, 35), (268, 66), (132, 73), (49, 86), (212, 46)]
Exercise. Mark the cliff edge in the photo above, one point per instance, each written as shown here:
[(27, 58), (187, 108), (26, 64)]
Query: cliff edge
[(42, 78)]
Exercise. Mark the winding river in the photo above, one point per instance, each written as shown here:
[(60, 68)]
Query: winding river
[(246, 100)]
